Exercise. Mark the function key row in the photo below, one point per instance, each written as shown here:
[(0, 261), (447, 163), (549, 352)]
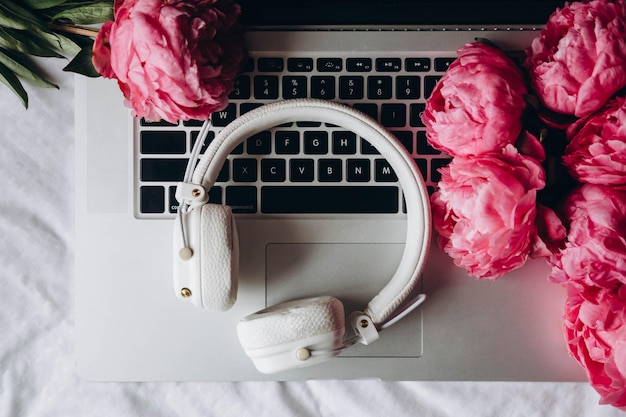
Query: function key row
[(271, 64)]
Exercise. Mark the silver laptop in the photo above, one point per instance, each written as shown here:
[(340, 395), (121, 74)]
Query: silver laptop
[(381, 57)]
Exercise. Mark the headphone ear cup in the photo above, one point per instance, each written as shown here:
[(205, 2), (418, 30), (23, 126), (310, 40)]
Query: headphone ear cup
[(219, 259), (293, 334)]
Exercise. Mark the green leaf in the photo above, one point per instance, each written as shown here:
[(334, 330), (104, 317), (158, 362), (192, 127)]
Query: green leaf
[(82, 64), (14, 16), (22, 67), (94, 13), (27, 42), (7, 77), (42, 4), (61, 42)]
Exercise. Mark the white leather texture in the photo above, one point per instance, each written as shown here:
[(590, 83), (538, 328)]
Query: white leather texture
[(404, 282), (290, 322), (219, 263)]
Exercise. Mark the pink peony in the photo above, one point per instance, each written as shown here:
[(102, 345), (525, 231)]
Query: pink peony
[(596, 153), (477, 105), (595, 330), (173, 59), (485, 209), (579, 61), (595, 251)]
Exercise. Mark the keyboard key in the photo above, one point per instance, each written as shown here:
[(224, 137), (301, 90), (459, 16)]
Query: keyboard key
[(329, 64), (144, 122), (241, 91), (370, 109), (266, 87), (329, 199), (246, 107), (368, 149), (417, 64), (329, 170), (242, 199), (244, 170), (301, 170), (442, 64), (193, 123), (207, 141), (224, 117), (162, 142), (260, 143), (406, 138), (388, 64), (423, 147), (408, 87), (435, 165), (344, 142), (384, 172), (359, 64), (294, 87), (429, 84), (152, 199), (315, 142), (270, 64), (358, 170), (300, 64), (273, 170), (287, 142), (393, 115), (415, 114), (323, 88), (351, 88), (422, 165), (162, 169), (379, 88)]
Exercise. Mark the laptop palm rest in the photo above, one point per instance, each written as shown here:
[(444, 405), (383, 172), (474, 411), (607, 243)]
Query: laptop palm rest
[(352, 272)]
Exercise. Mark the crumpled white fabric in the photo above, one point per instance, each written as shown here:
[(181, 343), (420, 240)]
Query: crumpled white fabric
[(36, 314)]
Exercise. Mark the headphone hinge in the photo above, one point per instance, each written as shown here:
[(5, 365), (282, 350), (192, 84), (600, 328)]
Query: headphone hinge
[(193, 194), (364, 327)]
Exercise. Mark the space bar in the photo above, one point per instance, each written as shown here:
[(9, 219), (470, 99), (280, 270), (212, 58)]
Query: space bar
[(329, 199)]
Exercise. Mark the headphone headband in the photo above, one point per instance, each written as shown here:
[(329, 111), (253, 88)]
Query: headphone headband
[(404, 281)]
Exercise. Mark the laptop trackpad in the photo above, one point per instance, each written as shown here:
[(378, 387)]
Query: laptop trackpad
[(354, 273)]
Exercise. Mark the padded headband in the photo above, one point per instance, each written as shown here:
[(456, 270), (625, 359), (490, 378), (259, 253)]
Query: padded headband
[(405, 279)]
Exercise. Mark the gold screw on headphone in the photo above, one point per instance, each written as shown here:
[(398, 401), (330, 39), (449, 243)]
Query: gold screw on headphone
[(196, 192), (364, 323), (185, 292)]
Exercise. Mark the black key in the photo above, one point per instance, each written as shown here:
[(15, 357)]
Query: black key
[(329, 170), (224, 117), (273, 170), (270, 64), (315, 142), (417, 64), (224, 173), (152, 199), (241, 91), (435, 165), (294, 87), (358, 170), (301, 170), (242, 199), (287, 142), (162, 169), (406, 137), (388, 64), (442, 64), (260, 144), (351, 88), (207, 141), (393, 115), (329, 64), (193, 123), (308, 124), (330, 199), (429, 84), (379, 88), (144, 122), (408, 87), (344, 142), (370, 109), (368, 149), (323, 87), (162, 142), (246, 107), (266, 87), (415, 114), (300, 64), (384, 172), (248, 65), (423, 147), (359, 64), (422, 164), (244, 170)]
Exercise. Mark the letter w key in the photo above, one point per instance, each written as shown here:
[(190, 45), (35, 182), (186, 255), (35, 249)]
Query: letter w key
[(224, 117)]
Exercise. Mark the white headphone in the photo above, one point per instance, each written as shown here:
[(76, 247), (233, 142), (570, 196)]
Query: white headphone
[(303, 332)]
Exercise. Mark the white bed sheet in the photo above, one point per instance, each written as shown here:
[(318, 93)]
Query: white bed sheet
[(36, 314)]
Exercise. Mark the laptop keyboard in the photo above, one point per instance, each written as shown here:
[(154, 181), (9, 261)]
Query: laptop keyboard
[(302, 167)]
